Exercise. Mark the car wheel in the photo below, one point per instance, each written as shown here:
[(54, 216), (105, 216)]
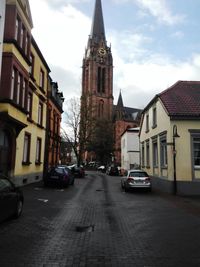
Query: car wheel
[(19, 208)]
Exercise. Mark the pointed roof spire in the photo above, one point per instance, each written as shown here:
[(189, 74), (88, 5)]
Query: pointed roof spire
[(97, 30), (120, 100)]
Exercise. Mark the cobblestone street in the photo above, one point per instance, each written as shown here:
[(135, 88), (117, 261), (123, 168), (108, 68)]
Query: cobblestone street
[(94, 223)]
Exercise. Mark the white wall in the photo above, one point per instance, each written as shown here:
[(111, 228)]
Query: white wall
[(2, 21), (129, 149)]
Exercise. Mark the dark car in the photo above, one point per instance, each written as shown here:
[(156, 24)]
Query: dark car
[(59, 176), (11, 199), (112, 170), (79, 172)]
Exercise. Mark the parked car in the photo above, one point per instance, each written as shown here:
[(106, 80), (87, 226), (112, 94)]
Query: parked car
[(112, 170), (11, 199), (136, 179), (78, 172), (60, 176), (102, 168)]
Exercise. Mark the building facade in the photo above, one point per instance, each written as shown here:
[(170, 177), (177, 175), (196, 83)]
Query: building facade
[(14, 82), (53, 138), (2, 22), (170, 139), (23, 98), (123, 119), (130, 150)]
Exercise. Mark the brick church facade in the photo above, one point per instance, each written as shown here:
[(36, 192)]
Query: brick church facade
[(97, 83)]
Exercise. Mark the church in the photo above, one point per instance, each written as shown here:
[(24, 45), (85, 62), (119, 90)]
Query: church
[(97, 84)]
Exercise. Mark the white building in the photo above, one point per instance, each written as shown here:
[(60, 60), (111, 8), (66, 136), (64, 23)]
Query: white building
[(130, 154), (2, 21)]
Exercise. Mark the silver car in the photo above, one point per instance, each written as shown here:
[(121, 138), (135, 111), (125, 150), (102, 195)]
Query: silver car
[(136, 179)]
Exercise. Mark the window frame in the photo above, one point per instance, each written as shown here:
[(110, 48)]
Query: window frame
[(163, 152), (26, 149), (40, 113), (38, 150)]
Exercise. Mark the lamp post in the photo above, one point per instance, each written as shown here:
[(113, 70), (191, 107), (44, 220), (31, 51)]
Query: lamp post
[(175, 135)]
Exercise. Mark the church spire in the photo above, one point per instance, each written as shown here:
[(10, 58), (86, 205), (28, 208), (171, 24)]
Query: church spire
[(97, 30), (120, 100)]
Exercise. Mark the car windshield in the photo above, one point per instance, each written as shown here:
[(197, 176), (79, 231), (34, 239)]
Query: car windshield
[(138, 174), (58, 170)]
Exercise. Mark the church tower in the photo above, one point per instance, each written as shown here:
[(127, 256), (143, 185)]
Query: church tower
[(97, 69)]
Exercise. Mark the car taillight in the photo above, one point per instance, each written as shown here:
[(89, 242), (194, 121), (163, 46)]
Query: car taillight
[(65, 177), (147, 179), (130, 179)]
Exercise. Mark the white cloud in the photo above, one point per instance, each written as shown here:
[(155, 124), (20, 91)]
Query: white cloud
[(62, 35), (178, 35), (160, 10)]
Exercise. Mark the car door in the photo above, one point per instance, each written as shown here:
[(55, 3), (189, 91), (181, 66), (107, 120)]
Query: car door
[(8, 199)]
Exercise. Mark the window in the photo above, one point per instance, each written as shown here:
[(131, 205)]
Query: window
[(147, 154), (143, 155), (196, 152), (101, 80), (22, 37), (17, 29), (155, 154), (38, 150), (32, 64), (29, 104), (41, 79), (19, 79), (26, 152), (27, 44), (147, 122), (154, 117), (23, 93), (12, 89), (163, 152), (40, 113)]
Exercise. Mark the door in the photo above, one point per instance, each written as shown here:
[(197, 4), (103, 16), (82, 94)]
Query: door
[(4, 153)]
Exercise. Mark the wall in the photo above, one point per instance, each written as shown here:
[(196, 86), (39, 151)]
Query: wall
[(187, 179), (2, 22)]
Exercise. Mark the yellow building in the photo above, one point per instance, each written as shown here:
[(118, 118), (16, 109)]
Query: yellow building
[(23, 98), (170, 139)]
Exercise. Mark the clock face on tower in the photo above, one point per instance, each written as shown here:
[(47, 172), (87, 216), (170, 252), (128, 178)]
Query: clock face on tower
[(102, 51)]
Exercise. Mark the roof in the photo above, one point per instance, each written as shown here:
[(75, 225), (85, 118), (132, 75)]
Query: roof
[(98, 31), (182, 99), (129, 114), (120, 100)]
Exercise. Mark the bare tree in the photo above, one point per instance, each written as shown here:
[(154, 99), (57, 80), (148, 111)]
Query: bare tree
[(79, 126)]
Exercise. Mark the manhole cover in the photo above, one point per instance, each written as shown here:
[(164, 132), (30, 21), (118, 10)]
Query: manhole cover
[(85, 228)]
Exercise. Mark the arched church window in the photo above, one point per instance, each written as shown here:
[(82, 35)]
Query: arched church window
[(101, 79)]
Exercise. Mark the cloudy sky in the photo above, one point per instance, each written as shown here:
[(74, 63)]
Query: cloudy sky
[(154, 43)]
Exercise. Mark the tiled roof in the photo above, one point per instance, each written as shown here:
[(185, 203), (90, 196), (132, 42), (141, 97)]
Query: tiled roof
[(182, 99)]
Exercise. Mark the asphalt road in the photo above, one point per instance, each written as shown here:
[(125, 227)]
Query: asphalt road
[(95, 223)]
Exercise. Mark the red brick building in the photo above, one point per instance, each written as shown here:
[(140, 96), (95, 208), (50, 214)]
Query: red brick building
[(54, 112), (97, 82)]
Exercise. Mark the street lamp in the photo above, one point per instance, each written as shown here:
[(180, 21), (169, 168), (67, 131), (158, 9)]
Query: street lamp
[(175, 135)]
